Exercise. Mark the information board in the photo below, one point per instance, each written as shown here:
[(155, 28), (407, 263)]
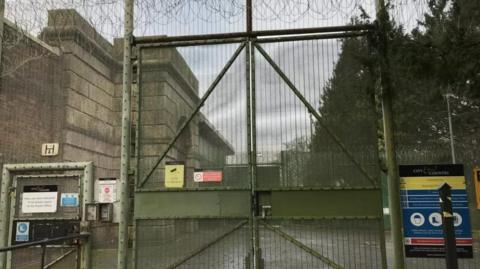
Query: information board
[(39, 199), (422, 220)]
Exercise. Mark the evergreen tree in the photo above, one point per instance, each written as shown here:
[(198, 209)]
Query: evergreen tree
[(439, 56)]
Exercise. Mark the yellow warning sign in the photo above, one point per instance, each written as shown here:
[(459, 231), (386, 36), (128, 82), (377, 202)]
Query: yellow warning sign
[(428, 183), (476, 179), (174, 175)]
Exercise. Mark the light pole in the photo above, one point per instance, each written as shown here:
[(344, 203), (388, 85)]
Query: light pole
[(452, 143)]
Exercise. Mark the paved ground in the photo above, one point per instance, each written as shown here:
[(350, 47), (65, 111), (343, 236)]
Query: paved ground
[(354, 244)]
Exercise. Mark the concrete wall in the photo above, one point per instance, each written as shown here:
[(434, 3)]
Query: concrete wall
[(169, 95), (92, 120)]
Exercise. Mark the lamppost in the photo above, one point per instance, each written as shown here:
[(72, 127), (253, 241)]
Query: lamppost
[(452, 144)]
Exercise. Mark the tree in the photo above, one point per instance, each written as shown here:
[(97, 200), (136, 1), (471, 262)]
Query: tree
[(439, 56)]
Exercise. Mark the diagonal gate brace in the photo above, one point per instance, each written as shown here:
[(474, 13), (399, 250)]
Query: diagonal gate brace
[(313, 112), (304, 247), (206, 246), (195, 112)]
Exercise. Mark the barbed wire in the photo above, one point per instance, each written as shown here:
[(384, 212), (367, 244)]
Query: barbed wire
[(177, 17), (152, 15), (408, 13)]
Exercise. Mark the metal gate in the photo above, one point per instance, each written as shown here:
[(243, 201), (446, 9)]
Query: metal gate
[(285, 188)]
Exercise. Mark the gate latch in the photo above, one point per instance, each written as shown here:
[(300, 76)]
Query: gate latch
[(266, 210)]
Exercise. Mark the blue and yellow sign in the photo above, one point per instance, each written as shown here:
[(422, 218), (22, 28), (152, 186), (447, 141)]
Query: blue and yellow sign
[(422, 221)]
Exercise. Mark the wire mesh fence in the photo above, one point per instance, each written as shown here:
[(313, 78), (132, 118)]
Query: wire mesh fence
[(49, 252), (212, 138), (311, 151), (61, 82), (433, 107), (324, 243), (192, 243), (55, 257)]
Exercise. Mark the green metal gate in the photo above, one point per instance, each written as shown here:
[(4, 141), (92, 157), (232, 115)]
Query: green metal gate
[(294, 193)]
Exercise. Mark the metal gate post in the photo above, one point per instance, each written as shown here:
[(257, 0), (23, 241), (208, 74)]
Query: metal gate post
[(4, 214), (258, 254), (125, 146), (138, 152), (2, 18), (391, 160), (88, 194), (251, 254)]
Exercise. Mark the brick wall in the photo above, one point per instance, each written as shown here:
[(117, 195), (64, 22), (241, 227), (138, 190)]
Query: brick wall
[(31, 99)]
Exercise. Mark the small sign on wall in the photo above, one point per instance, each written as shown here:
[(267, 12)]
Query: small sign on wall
[(39, 199), (69, 199), (107, 191), (22, 232), (50, 149), (207, 176), (174, 174)]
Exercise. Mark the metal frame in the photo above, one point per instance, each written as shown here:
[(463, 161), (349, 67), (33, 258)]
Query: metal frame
[(6, 214), (79, 186), (250, 45), (43, 244), (252, 39), (254, 43), (249, 34)]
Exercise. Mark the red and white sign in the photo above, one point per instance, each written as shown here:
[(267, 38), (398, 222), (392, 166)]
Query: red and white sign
[(437, 241), (107, 191), (207, 176)]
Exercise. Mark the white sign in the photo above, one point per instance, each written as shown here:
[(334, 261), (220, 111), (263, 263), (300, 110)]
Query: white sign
[(50, 149), (107, 191), (22, 231), (39, 202)]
